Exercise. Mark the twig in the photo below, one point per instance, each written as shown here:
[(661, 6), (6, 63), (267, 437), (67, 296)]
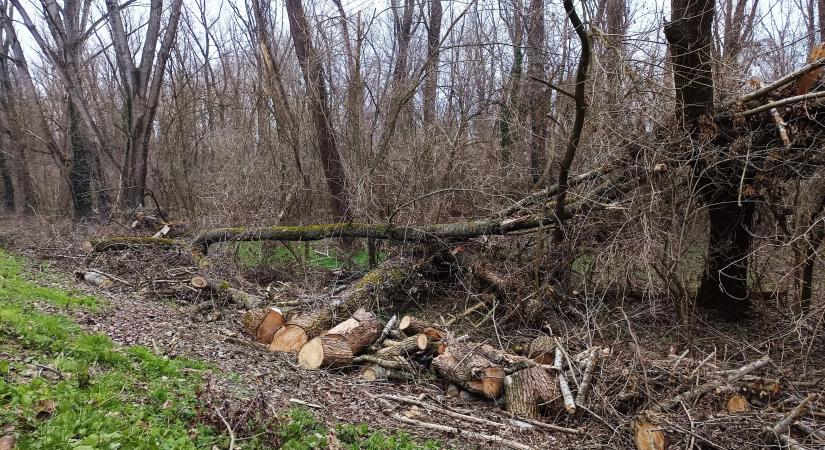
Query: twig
[(780, 82), (784, 425), (702, 389), (808, 431), (783, 102), (443, 410), (550, 426), (386, 331), (119, 280), (385, 363), (465, 433), (781, 126), (589, 369), (465, 313), (569, 403), (692, 426), (678, 360), (307, 404), (702, 363), (228, 429)]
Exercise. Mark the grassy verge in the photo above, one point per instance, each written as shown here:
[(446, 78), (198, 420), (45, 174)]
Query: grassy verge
[(62, 388)]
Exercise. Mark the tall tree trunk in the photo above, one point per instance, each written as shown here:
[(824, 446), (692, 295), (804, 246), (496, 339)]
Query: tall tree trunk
[(724, 284), (821, 8), (80, 176), (511, 106), (536, 69), (5, 174), (313, 71), (813, 240), (431, 83)]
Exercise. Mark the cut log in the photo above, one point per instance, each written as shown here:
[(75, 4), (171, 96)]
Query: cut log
[(649, 436), (252, 320), (199, 282), (542, 350), (381, 280), (360, 330), (411, 326), (462, 364), (407, 347), (94, 278), (272, 322), (526, 391), (329, 351)]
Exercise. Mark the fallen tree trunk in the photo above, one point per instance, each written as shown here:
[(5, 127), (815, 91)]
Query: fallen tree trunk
[(379, 281), (597, 198)]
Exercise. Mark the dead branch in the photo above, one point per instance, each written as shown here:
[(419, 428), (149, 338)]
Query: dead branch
[(469, 434)]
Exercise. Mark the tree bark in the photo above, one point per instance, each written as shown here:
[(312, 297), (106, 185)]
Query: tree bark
[(314, 79), (141, 82), (5, 174), (433, 40), (80, 176), (536, 69), (724, 284)]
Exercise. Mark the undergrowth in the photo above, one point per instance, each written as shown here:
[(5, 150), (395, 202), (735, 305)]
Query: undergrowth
[(63, 388), (315, 255)]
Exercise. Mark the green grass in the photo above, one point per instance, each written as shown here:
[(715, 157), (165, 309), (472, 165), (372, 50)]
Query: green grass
[(63, 388), (301, 430), (250, 254)]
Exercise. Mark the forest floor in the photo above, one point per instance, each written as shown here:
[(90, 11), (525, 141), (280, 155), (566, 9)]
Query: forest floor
[(188, 379)]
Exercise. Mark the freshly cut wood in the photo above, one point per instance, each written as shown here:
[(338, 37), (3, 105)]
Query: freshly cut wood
[(252, 319), (378, 373), (94, 278), (542, 350), (463, 365), (289, 339), (163, 231), (328, 351), (300, 329), (737, 403), (272, 322), (649, 436), (411, 326), (360, 330), (407, 346), (566, 394), (199, 282), (433, 333), (527, 390)]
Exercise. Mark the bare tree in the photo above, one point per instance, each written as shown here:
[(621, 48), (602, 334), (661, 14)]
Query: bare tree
[(433, 45), (316, 89), (536, 72), (141, 83)]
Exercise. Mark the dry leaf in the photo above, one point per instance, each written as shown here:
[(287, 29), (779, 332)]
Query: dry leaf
[(649, 436), (44, 409), (737, 403)]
